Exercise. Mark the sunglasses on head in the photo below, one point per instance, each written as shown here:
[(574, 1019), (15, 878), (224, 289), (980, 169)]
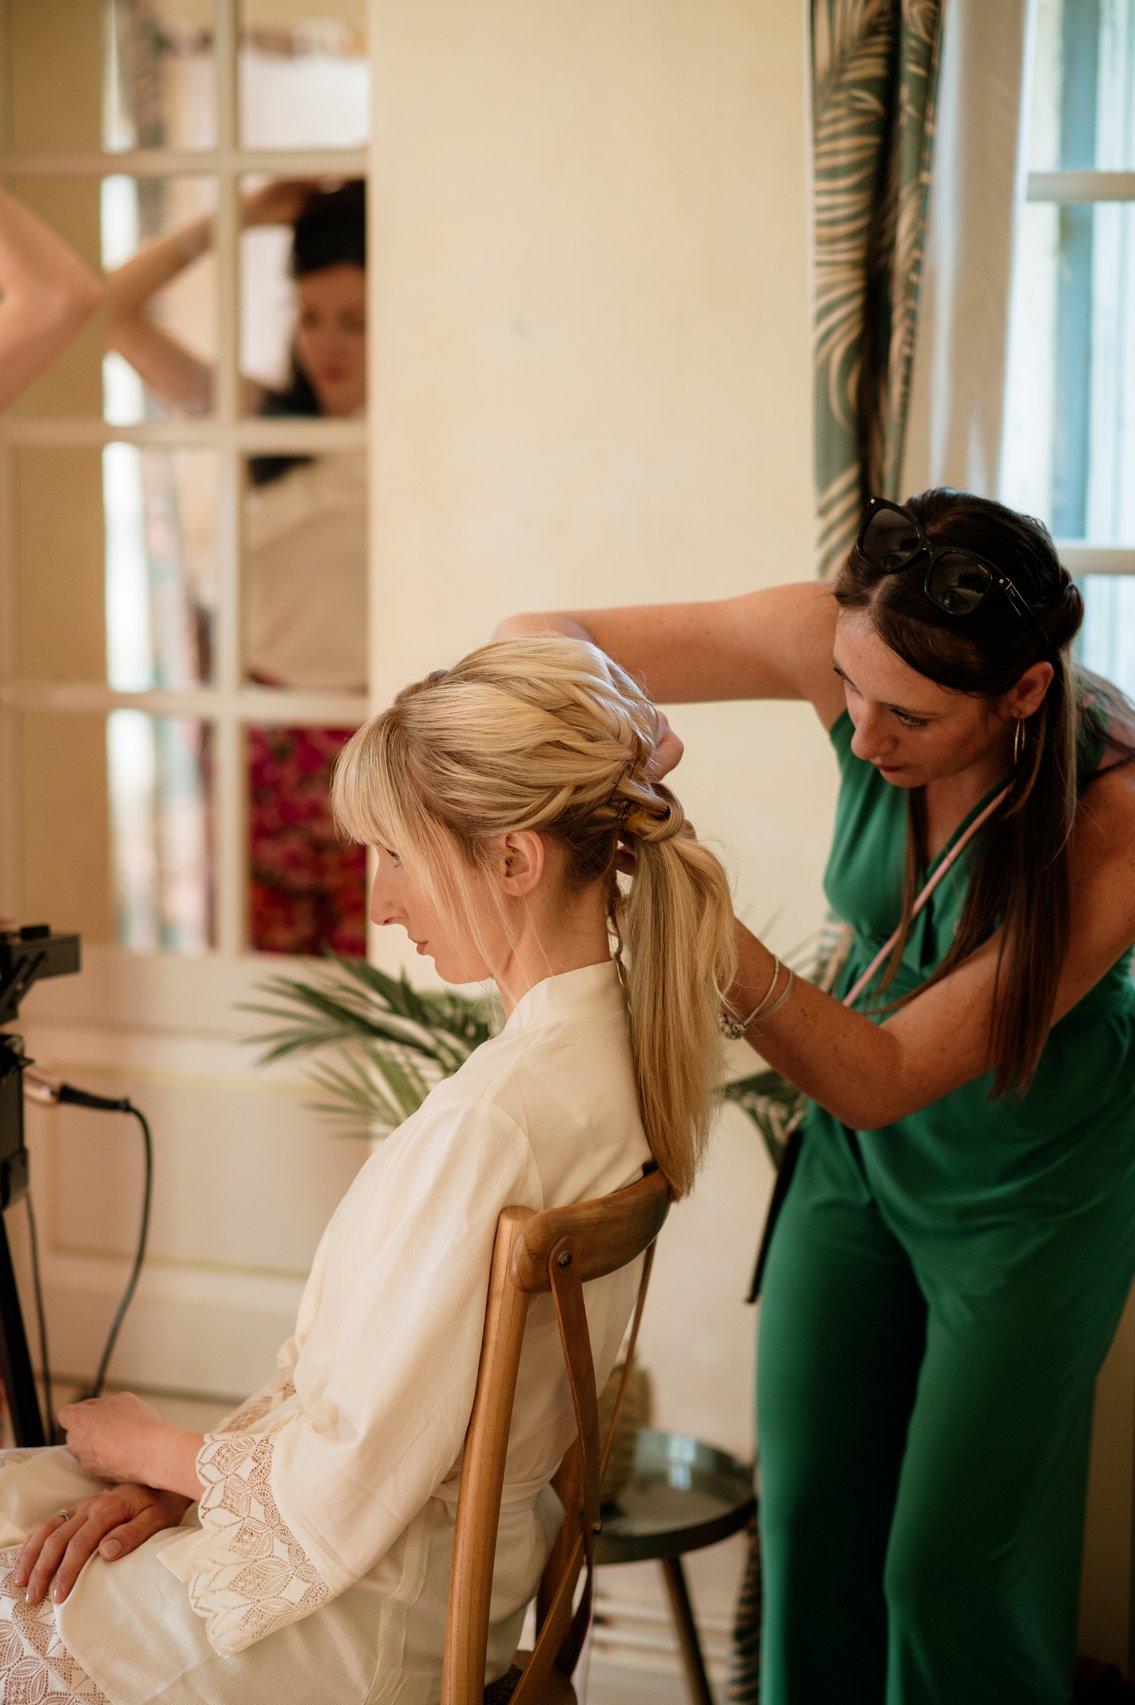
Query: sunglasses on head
[(956, 581)]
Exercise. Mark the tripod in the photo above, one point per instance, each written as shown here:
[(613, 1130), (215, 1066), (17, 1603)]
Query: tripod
[(15, 1361), (25, 955)]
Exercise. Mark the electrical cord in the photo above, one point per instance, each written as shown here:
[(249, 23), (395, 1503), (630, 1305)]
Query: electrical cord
[(51, 1091), (139, 1255)]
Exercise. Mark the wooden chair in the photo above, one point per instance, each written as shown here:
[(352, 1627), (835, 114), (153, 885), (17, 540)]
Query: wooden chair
[(556, 1251)]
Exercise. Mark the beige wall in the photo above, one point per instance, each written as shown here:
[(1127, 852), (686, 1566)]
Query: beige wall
[(592, 386)]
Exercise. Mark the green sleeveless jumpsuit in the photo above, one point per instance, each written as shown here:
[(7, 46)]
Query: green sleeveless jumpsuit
[(938, 1298)]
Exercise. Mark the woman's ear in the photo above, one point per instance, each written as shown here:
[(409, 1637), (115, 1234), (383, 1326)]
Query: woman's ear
[(1027, 694), (520, 861)]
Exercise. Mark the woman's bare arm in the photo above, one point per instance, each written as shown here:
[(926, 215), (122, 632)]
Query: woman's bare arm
[(870, 1075), (167, 366), (48, 296), (772, 644)]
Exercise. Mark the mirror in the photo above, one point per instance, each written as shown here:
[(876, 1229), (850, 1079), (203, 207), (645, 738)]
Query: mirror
[(304, 77), (118, 583), (156, 88), (140, 787), (162, 367), (306, 887), (303, 298), (143, 523)]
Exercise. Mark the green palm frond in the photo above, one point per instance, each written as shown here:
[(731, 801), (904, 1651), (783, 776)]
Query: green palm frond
[(386, 1044)]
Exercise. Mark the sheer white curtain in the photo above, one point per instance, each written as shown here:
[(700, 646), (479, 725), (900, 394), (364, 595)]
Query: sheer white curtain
[(957, 410)]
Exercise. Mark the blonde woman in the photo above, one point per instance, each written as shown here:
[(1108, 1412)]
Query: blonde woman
[(302, 1551)]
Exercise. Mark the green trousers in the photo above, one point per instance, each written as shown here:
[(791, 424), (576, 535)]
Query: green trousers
[(924, 1413)]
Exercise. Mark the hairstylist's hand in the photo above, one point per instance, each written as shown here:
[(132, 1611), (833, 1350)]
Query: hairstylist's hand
[(279, 202), (667, 752), (113, 1523)]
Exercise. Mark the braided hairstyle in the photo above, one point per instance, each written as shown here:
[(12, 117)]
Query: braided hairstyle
[(1020, 875), (550, 734)]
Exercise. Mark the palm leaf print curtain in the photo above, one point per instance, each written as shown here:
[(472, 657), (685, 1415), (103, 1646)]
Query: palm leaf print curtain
[(874, 79)]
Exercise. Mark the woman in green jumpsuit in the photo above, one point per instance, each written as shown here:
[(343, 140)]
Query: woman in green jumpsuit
[(954, 1248)]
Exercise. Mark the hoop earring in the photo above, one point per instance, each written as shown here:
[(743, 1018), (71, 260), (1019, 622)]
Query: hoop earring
[(1018, 741)]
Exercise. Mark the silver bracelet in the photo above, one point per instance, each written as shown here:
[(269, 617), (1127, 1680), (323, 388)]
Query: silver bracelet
[(737, 1028), (777, 1004)]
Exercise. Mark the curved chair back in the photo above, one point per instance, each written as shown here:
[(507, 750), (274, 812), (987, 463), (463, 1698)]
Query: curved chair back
[(556, 1251)]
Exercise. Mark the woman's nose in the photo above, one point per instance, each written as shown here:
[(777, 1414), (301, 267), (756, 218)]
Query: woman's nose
[(870, 739), (382, 909)]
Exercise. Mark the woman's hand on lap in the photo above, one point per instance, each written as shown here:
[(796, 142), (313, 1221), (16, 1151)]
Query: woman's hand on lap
[(113, 1523)]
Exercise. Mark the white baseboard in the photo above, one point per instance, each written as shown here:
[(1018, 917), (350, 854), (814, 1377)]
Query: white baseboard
[(611, 1683)]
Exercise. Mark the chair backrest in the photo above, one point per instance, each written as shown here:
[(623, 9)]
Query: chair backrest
[(556, 1251)]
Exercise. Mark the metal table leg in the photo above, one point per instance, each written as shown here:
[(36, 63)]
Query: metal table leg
[(682, 1610)]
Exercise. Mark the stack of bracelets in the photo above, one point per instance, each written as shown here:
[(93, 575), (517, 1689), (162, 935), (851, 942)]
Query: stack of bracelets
[(770, 1004)]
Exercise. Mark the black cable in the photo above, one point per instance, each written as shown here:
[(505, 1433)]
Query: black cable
[(66, 1094), (41, 1317), (140, 1254)]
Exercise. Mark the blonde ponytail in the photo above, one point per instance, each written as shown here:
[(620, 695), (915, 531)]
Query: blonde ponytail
[(674, 924), (551, 734)]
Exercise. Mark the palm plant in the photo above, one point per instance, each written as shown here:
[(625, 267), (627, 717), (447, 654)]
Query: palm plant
[(384, 1044)]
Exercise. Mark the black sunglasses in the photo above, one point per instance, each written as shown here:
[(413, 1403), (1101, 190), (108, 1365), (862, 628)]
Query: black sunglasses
[(956, 581)]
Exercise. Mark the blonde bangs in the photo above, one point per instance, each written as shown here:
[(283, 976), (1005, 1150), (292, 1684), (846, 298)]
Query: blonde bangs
[(376, 798)]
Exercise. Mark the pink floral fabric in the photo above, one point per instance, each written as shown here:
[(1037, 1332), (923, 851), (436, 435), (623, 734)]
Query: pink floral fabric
[(307, 887)]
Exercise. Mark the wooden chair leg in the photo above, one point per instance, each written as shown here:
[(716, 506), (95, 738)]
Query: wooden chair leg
[(692, 1661)]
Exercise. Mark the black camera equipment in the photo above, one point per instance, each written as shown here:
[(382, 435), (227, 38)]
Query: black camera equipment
[(26, 955)]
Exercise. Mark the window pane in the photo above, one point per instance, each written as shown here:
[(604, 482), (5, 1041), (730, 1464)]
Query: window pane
[(304, 77), (1070, 439), (304, 584), (303, 298), (1083, 112), (117, 565), (306, 886), (161, 580), (171, 339), (110, 74), (139, 789), (165, 351), (1107, 643)]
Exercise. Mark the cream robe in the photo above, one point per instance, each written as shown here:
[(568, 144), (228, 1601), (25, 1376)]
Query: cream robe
[(316, 1565)]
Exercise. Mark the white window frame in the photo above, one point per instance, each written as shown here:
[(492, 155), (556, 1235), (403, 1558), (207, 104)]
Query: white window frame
[(1087, 187)]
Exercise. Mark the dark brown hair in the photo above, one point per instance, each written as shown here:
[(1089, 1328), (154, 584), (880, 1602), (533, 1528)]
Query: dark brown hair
[(1020, 880), (331, 231)]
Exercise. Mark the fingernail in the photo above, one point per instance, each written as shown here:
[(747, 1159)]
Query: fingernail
[(21, 1578), (28, 1597), (111, 1548), (56, 1592)]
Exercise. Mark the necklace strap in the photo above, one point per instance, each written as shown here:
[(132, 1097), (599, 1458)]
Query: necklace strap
[(946, 864)]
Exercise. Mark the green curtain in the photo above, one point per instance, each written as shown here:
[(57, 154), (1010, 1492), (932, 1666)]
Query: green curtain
[(874, 78)]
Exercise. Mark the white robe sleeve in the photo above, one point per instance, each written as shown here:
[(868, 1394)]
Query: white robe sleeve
[(293, 1514)]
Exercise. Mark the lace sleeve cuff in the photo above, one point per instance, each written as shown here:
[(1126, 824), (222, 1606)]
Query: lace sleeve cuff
[(248, 1573), (253, 1410)]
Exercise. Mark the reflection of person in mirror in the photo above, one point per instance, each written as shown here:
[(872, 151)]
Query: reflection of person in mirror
[(302, 1549), (47, 296), (304, 559)]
